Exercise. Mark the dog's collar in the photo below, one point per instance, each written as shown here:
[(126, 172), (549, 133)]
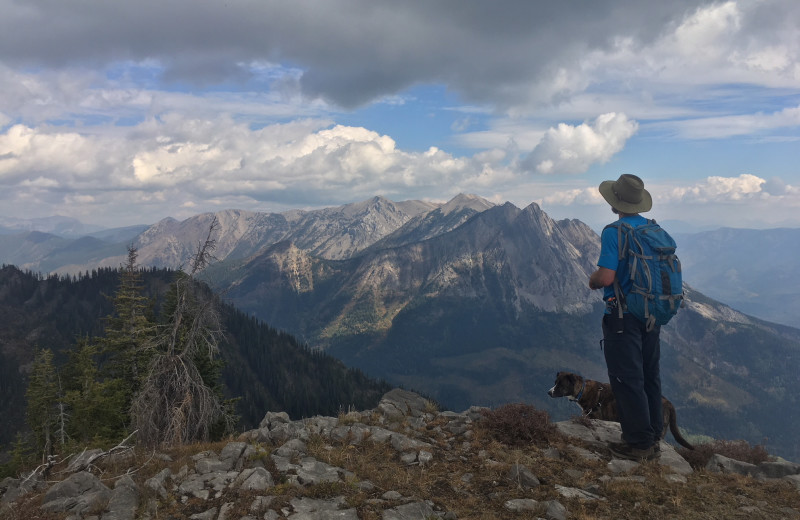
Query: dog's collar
[(580, 394)]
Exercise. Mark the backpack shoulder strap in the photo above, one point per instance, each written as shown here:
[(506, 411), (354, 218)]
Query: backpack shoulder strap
[(623, 232)]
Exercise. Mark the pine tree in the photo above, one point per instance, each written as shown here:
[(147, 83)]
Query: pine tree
[(43, 397), (98, 408), (175, 403), (128, 330)]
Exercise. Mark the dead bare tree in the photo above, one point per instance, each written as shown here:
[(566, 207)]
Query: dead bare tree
[(174, 404)]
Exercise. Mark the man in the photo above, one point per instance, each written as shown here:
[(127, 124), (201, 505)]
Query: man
[(632, 353)]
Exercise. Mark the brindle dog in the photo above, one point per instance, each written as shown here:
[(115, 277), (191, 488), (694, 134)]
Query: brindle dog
[(597, 402)]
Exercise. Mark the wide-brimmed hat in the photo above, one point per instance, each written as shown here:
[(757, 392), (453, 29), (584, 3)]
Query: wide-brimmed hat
[(627, 194)]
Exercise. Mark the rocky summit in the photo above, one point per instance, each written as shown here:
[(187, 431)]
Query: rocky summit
[(402, 460)]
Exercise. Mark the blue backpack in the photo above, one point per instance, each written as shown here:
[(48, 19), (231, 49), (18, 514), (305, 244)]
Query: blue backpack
[(656, 293)]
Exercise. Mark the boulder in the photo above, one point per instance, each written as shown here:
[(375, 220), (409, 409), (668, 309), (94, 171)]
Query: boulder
[(522, 476), (124, 500), (520, 505), (722, 464), (398, 403), (601, 433), (79, 493), (257, 479), (410, 511), (778, 469), (231, 455)]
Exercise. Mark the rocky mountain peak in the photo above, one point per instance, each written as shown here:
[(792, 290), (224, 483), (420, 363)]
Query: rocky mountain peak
[(463, 200), (373, 459)]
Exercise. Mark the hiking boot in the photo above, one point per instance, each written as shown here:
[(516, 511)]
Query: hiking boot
[(625, 451)]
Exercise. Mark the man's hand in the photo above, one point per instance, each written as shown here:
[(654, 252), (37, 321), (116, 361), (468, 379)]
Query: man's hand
[(603, 277)]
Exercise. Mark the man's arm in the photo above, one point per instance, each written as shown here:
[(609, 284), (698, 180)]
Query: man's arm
[(603, 277)]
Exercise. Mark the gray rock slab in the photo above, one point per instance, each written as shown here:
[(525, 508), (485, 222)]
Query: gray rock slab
[(79, 492), (404, 443), (601, 433), (522, 476), (291, 448), (211, 514), (585, 454), (285, 431), (321, 425), (410, 511), (283, 464), (156, 483), (398, 403), (794, 479), (555, 510), (211, 465), (258, 479), (231, 454), (722, 464), (320, 509), (672, 459), (312, 471), (519, 505), (261, 504), (570, 492), (379, 435), (622, 466), (124, 500), (273, 418), (778, 469), (192, 485)]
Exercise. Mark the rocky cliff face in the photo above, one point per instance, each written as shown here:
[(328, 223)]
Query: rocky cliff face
[(331, 233)]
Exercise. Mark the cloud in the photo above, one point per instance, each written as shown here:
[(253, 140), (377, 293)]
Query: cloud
[(356, 51), (719, 189), (200, 162), (570, 149), (743, 189), (736, 125)]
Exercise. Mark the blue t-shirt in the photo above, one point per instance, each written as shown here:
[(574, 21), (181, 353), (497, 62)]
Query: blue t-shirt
[(609, 255)]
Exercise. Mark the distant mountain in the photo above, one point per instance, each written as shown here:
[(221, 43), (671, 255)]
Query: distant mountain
[(754, 271), (332, 233), (44, 252), (486, 311), (62, 226), (116, 235)]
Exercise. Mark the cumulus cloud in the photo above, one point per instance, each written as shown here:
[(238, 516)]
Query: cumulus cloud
[(719, 189), (570, 149), (199, 163)]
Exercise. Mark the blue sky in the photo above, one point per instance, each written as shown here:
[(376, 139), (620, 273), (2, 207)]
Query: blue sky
[(120, 114)]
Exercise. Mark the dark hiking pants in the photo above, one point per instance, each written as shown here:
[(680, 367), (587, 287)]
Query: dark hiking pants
[(632, 359)]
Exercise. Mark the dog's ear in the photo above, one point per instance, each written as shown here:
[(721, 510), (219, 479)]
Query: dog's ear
[(572, 378), (560, 374)]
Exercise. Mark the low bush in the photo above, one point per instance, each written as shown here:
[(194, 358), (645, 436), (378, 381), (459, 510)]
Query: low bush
[(738, 450), (519, 424)]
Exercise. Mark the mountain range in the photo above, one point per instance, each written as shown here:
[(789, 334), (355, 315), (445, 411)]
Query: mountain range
[(474, 303)]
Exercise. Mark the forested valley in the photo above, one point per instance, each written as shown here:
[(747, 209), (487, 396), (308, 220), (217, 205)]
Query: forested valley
[(95, 358)]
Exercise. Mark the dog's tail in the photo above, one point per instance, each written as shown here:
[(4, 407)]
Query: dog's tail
[(673, 427)]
